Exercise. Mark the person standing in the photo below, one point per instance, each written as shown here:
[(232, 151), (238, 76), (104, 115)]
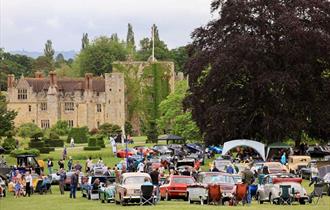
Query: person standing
[(29, 183), (50, 166), (113, 145), (72, 142), (141, 167), (248, 179), (61, 163), (74, 184), (64, 154), (314, 174), (283, 158), (62, 175), (70, 162), (155, 180)]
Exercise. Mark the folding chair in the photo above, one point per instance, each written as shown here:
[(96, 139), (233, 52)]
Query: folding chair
[(317, 193), (147, 195), (285, 196), (214, 194), (240, 194)]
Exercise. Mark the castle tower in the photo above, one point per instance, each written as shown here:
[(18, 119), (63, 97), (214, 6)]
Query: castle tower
[(115, 99), (52, 101)]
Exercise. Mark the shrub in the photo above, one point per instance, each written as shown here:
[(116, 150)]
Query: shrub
[(100, 142), (54, 142), (92, 142), (89, 148), (17, 152), (46, 150), (78, 134), (36, 144), (54, 136), (109, 129), (128, 128), (61, 128), (9, 144), (37, 136), (28, 130), (94, 131)]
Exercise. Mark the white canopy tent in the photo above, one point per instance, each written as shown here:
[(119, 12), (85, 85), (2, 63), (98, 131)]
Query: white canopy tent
[(257, 146)]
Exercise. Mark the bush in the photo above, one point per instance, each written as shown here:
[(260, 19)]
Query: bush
[(108, 129), (128, 128), (78, 134), (100, 142), (9, 144), (46, 150), (61, 128), (94, 131), (54, 142), (89, 148), (17, 152), (37, 136), (54, 136), (28, 130), (36, 144), (92, 142)]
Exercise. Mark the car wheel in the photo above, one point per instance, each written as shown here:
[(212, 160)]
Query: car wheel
[(259, 199), (186, 197), (167, 197), (328, 190), (89, 196), (302, 202)]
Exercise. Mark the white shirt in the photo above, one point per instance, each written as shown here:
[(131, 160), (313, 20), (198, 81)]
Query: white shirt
[(141, 167), (28, 178)]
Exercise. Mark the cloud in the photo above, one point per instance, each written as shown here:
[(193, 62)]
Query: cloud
[(28, 24)]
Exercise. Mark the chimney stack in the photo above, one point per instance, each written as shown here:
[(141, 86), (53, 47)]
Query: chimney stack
[(10, 81), (38, 74), (53, 80), (88, 81)]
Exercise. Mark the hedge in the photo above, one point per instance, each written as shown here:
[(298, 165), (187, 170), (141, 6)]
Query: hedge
[(54, 142), (92, 148), (9, 144), (36, 144), (46, 150), (78, 134), (17, 152), (92, 142), (100, 142)]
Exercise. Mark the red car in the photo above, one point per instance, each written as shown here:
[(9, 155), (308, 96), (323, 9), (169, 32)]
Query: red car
[(144, 150), (175, 186), (122, 153)]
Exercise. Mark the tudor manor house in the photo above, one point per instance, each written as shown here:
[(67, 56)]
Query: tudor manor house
[(89, 101)]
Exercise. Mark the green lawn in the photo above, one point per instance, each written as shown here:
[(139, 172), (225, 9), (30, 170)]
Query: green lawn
[(57, 202)]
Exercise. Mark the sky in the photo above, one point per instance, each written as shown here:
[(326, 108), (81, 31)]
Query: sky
[(27, 24)]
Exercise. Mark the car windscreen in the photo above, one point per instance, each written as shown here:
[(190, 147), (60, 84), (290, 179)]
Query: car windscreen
[(274, 165), (155, 160), (134, 180), (183, 180), (222, 164), (218, 179)]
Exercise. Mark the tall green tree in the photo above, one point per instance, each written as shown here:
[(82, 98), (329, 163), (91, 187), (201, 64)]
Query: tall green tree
[(180, 57), (59, 60), (257, 71), (49, 50), (6, 118), (97, 58), (84, 41), (42, 63), (173, 118), (130, 41)]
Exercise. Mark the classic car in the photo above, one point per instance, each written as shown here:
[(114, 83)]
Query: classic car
[(297, 162), (67, 181), (54, 177), (162, 149), (324, 174), (215, 149), (175, 186), (107, 191), (143, 150), (317, 151), (155, 163), (91, 190), (269, 190), (3, 188), (275, 167), (122, 152), (128, 190), (221, 165)]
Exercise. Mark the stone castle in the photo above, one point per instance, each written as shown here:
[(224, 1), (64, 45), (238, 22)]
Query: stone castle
[(89, 101)]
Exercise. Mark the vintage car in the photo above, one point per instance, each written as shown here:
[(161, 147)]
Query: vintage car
[(162, 149), (297, 162), (122, 152), (155, 163), (275, 167), (317, 151), (67, 181), (107, 191), (175, 186), (91, 190), (3, 188), (324, 174), (128, 190), (143, 150), (215, 149), (221, 165), (185, 162), (269, 190)]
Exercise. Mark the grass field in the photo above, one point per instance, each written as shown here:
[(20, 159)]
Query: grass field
[(55, 201)]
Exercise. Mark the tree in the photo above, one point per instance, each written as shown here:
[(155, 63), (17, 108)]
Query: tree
[(97, 58), (42, 63), (108, 129), (180, 57), (59, 60), (60, 128), (174, 119), (161, 50), (130, 42), (257, 71), (28, 130), (84, 41), (6, 118), (49, 51)]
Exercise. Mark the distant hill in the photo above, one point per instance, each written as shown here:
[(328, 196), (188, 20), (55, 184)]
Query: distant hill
[(67, 54)]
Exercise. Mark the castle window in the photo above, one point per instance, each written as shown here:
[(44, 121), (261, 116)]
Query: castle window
[(44, 124), (22, 94), (70, 123), (119, 90), (98, 124), (110, 89), (98, 107), (30, 108), (43, 106), (69, 106), (33, 121), (97, 93), (109, 101)]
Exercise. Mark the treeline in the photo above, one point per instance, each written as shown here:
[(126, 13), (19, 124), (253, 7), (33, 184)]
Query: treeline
[(96, 56)]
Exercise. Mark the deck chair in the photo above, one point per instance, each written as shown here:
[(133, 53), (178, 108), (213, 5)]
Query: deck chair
[(317, 193), (285, 195), (147, 195), (240, 194), (214, 194)]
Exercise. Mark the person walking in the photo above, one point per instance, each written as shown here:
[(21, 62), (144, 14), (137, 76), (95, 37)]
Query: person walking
[(74, 184), (72, 142), (248, 179), (64, 154), (283, 158), (62, 175), (314, 174), (29, 183), (155, 180), (50, 166)]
